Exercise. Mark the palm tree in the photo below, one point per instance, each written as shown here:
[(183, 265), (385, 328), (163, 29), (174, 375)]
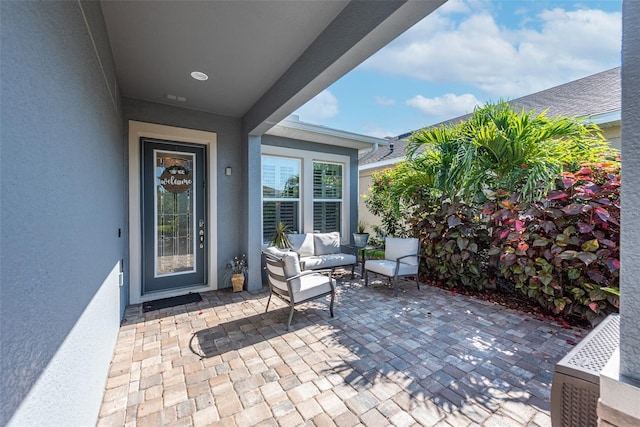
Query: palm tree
[(500, 148)]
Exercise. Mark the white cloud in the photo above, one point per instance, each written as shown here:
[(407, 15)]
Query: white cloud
[(320, 108), (551, 48), (446, 106), (454, 6), (383, 100), (378, 131)]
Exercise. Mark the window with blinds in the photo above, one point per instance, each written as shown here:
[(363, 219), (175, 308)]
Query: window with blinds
[(327, 197), (280, 194)]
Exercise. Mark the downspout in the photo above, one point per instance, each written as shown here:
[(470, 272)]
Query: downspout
[(370, 153)]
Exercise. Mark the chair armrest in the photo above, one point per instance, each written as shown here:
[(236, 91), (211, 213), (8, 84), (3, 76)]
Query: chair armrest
[(395, 273), (308, 272), (407, 256)]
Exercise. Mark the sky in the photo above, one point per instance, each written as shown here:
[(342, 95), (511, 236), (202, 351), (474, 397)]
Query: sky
[(466, 53)]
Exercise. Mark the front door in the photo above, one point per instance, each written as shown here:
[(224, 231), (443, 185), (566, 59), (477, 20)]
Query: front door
[(174, 216)]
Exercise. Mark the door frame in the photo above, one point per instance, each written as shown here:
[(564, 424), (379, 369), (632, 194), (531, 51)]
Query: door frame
[(170, 133)]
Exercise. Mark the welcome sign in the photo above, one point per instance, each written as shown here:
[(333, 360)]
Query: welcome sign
[(176, 179)]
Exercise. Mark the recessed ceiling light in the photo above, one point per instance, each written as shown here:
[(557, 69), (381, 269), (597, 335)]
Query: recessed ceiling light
[(199, 75)]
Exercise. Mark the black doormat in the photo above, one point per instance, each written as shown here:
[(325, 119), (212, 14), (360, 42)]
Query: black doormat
[(170, 302)]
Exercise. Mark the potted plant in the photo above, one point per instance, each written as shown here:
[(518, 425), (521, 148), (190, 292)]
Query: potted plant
[(280, 238), (361, 238), (237, 272)]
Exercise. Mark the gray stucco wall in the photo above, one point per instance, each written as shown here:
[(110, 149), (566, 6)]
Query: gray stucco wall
[(630, 212), (230, 192), (62, 181)]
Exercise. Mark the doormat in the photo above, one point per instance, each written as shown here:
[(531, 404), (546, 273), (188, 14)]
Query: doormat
[(170, 302)]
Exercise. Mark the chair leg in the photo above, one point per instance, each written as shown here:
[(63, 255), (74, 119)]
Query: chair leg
[(395, 286), (268, 301), (353, 267), (417, 282), (290, 317), (333, 294), (366, 277)]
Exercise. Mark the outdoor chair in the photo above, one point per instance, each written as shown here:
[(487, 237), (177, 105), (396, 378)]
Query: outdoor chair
[(401, 259), (292, 285)]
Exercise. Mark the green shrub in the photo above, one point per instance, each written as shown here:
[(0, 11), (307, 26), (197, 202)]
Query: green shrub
[(454, 243), (490, 198)]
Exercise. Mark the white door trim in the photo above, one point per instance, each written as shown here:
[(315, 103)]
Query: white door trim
[(170, 133)]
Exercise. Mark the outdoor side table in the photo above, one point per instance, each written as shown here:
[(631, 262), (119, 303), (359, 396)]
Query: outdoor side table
[(361, 251)]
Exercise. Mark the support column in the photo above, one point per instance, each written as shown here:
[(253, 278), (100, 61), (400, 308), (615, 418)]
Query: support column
[(630, 253), (253, 212), (620, 380)]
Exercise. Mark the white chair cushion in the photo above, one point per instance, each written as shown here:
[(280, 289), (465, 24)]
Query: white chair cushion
[(309, 286), (302, 243), (328, 261), (274, 251), (396, 247), (326, 243), (387, 268), (291, 264)]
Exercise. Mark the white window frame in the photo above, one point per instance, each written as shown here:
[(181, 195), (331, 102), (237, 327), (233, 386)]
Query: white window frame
[(321, 200), (307, 158), (280, 199)]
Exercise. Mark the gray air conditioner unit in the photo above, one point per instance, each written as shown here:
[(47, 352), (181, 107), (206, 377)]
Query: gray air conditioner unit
[(576, 381)]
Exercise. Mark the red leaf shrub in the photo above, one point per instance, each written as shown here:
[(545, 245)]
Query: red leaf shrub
[(564, 249)]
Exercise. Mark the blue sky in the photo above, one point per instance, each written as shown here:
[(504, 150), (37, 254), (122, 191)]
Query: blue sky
[(466, 53)]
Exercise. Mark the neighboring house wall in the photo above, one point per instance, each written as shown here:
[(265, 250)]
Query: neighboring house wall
[(229, 153), (613, 135), (352, 197), (63, 175), (363, 212)]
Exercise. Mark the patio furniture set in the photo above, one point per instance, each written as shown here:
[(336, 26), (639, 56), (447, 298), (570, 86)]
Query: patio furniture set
[(305, 272)]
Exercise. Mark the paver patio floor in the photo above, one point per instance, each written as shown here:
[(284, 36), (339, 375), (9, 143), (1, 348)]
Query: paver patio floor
[(427, 357)]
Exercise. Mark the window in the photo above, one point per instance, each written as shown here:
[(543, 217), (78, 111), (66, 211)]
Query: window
[(305, 190), (280, 194), (327, 197)]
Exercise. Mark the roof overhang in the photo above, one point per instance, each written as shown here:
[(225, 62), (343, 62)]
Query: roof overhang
[(604, 120), (381, 164), (294, 129), (265, 59)]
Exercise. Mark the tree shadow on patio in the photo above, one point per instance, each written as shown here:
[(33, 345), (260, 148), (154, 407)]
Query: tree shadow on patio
[(428, 353)]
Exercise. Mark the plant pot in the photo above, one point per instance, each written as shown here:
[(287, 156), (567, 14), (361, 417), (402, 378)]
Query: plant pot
[(237, 280), (360, 239)]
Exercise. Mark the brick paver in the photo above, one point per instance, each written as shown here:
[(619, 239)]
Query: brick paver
[(427, 357)]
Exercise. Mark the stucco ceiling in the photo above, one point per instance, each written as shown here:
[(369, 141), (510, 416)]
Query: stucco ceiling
[(243, 46)]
